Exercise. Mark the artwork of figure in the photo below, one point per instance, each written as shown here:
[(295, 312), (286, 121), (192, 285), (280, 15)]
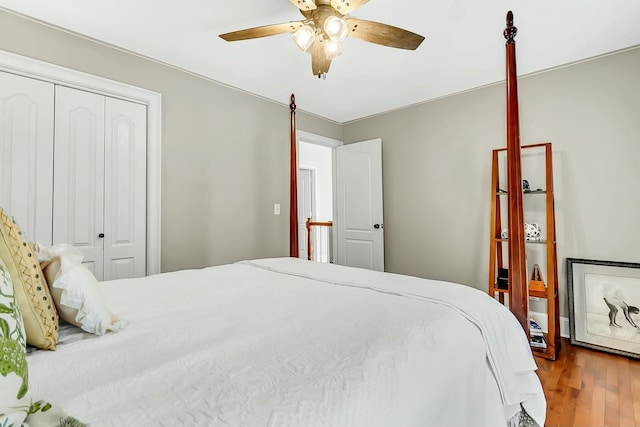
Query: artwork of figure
[(616, 300)]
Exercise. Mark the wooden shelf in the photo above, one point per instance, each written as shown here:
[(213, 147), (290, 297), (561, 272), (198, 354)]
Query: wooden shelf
[(533, 294), (538, 294), (496, 262), (504, 192), (538, 242)]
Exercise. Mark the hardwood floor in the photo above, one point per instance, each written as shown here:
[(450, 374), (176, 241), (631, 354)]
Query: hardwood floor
[(589, 388)]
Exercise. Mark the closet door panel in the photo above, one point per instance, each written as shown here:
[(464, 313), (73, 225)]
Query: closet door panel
[(78, 200), (125, 189), (26, 154)]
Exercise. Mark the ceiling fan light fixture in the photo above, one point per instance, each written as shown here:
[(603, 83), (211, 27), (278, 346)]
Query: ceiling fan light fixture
[(325, 25), (304, 37), (336, 28), (332, 49)]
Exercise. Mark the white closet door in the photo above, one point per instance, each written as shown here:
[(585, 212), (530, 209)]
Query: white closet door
[(125, 189), (26, 154), (78, 195)]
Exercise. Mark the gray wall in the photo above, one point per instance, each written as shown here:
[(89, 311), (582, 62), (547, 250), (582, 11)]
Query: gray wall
[(437, 159), (225, 153)]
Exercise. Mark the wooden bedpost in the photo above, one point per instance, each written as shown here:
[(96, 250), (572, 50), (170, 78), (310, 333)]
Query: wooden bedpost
[(293, 198), (518, 287)]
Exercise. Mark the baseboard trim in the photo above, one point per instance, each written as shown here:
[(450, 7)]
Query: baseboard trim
[(541, 319)]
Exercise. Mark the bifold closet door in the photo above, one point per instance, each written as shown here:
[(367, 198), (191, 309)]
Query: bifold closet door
[(99, 201), (78, 195), (125, 213), (26, 154)]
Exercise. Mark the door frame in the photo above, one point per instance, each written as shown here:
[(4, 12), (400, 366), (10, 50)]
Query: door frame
[(313, 138), (40, 70)]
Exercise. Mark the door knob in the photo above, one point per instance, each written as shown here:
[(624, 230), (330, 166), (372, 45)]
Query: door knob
[(101, 235), (376, 226)]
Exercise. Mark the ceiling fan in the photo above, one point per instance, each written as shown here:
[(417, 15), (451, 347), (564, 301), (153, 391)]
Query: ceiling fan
[(325, 26)]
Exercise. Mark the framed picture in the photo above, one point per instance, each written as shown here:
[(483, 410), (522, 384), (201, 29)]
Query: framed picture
[(604, 297)]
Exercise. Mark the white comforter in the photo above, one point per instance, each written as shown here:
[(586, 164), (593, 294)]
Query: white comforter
[(286, 342)]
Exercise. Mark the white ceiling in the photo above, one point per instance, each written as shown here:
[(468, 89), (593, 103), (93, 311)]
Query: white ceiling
[(464, 46)]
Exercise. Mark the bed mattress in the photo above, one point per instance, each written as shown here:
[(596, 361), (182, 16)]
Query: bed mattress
[(287, 342)]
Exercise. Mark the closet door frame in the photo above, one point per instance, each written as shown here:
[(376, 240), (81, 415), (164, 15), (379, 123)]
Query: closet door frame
[(29, 67)]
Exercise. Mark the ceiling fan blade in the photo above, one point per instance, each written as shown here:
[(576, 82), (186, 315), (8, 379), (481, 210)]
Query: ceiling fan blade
[(304, 4), (386, 35), (319, 62), (265, 31), (346, 6)]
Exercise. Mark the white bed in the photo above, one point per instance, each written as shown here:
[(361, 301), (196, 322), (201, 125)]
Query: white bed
[(287, 342)]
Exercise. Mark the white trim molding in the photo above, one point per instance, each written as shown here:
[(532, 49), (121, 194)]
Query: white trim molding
[(34, 68), (317, 139)]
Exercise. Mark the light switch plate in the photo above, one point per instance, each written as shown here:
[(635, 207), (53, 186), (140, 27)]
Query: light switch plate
[(276, 209)]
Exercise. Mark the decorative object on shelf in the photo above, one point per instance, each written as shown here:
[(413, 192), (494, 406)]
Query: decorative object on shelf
[(535, 329), (502, 281), (525, 186), (532, 231), (538, 342), (537, 335), (536, 284), (604, 297)]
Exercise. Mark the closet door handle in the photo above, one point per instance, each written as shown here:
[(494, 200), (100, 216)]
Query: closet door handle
[(101, 235)]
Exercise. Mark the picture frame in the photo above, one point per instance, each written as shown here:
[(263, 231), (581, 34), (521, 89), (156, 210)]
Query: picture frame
[(604, 297)]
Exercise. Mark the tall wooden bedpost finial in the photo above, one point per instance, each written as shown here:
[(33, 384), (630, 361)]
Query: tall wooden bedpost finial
[(292, 104), (518, 285), (511, 31), (293, 187)]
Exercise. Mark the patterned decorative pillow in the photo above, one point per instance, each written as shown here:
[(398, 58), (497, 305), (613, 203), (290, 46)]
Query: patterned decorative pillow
[(16, 408), (14, 398), (31, 290)]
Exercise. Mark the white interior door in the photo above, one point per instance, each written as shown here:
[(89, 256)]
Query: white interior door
[(125, 189), (26, 154), (78, 201), (360, 225), (305, 208)]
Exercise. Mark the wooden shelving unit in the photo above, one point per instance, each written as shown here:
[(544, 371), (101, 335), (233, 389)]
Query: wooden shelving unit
[(498, 246)]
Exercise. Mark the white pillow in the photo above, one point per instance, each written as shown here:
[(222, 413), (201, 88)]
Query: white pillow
[(76, 291)]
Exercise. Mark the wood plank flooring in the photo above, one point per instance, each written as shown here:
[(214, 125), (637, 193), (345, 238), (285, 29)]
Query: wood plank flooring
[(588, 388)]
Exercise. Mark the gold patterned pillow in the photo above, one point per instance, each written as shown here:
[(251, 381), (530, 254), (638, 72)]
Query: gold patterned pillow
[(31, 290)]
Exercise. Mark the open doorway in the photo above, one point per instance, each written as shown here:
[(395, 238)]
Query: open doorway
[(316, 193)]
